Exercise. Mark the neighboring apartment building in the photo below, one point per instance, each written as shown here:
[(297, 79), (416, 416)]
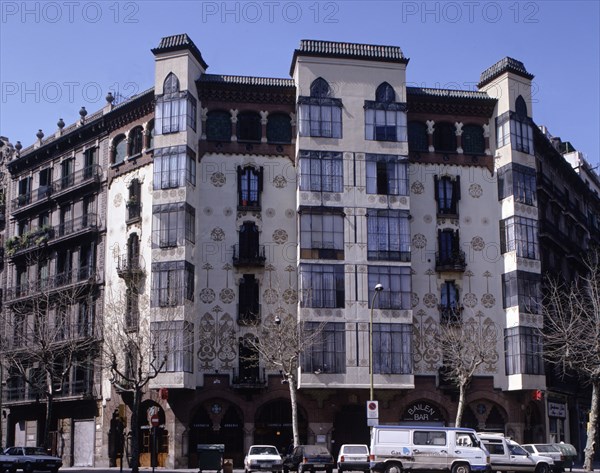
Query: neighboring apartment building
[(227, 201)]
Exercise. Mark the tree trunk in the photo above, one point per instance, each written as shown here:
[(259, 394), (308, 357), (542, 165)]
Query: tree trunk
[(294, 402), (135, 431), (49, 405), (462, 392), (592, 427)]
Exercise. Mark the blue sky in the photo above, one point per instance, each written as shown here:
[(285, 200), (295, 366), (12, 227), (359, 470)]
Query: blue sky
[(57, 56)]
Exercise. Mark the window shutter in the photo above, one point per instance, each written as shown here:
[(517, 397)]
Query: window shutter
[(260, 179), (457, 188), (503, 236), (435, 187), (440, 236)]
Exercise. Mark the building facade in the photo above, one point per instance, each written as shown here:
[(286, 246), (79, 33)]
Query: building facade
[(221, 203)]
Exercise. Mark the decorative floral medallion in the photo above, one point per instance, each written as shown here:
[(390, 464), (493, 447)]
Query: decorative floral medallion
[(430, 300), (402, 200), (280, 236), (227, 211), (475, 191), (270, 296), (207, 295), (417, 187), (419, 241), (477, 243), (488, 301), (218, 179), (270, 213), (208, 211), (227, 295), (290, 296), (279, 181), (289, 213), (427, 218), (217, 234), (470, 299)]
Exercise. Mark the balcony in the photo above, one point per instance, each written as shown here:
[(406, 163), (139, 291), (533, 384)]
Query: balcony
[(83, 275), (249, 379), (30, 200), (249, 256), (76, 181), (130, 268), (22, 393), (134, 211), (454, 261), (451, 314), (51, 335), (18, 245)]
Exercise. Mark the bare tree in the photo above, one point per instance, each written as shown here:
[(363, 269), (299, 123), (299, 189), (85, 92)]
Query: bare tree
[(280, 343), (137, 348), (572, 336), (465, 346), (50, 334)]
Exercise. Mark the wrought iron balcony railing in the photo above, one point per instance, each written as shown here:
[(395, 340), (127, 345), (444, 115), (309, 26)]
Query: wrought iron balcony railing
[(249, 256), (451, 261)]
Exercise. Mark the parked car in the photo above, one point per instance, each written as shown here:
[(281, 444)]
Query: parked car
[(508, 455), (31, 459), (263, 458), (7, 464), (353, 457), (308, 458), (548, 450), (569, 452)]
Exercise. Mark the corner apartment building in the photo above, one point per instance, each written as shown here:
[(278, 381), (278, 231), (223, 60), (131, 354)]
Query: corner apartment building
[(226, 201)]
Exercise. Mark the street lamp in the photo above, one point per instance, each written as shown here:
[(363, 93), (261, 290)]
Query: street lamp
[(378, 289)]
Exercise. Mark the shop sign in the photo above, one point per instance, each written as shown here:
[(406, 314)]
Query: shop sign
[(556, 409)]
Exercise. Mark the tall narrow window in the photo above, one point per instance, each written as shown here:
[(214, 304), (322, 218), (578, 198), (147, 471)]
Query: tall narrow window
[(447, 194), (90, 162), (24, 197), (136, 141), (134, 201), (249, 250), (248, 367), (450, 307), (385, 119), (449, 257), (249, 186), (248, 306), (320, 114), (45, 188), (119, 149), (387, 174)]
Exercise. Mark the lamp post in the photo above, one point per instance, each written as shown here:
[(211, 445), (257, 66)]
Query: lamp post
[(378, 289)]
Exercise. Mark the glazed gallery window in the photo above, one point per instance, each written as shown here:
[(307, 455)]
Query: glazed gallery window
[(322, 285), (174, 109), (447, 194), (321, 234), (418, 139), (388, 235), (392, 348), (174, 167), (387, 174), (396, 292), (518, 181), (173, 224), (473, 141), (522, 289), (173, 342), (385, 119), (320, 114), (328, 354), (524, 350), (279, 128), (172, 283), (516, 128), (520, 234), (321, 171)]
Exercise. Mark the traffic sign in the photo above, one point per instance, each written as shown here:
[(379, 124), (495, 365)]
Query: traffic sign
[(155, 420), (372, 409)]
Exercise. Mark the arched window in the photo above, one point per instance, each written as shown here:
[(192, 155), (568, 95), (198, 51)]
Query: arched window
[(473, 141), (444, 138), (418, 139), (320, 88), (171, 84), (249, 186), (521, 107), (385, 93), (385, 119), (136, 141), (320, 114), (279, 128), (249, 127), (249, 252), (218, 126), (120, 149)]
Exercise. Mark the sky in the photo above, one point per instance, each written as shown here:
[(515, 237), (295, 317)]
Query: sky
[(57, 56)]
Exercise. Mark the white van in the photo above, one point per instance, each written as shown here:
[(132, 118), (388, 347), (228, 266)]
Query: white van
[(396, 447)]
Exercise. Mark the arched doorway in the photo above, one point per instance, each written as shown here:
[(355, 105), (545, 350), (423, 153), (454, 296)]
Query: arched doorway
[(224, 425), (152, 439), (273, 425), (349, 426)]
